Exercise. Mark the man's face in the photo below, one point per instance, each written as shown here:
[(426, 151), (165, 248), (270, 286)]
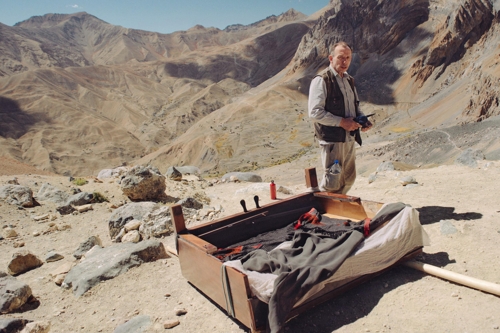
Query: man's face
[(341, 59)]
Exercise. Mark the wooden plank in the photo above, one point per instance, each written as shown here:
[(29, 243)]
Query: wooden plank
[(201, 269), (371, 207), (178, 219), (240, 292), (202, 244), (205, 273), (260, 313), (352, 210), (247, 226), (242, 221), (279, 206), (311, 178)]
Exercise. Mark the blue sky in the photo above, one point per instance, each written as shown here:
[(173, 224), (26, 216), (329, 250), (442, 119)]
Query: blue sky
[(164, 16)]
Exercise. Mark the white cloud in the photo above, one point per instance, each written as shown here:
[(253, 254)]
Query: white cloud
[(74, 6)]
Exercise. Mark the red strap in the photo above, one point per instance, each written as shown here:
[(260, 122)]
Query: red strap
[(366, 228)]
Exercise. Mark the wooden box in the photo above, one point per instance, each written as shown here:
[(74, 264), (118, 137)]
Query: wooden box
[(196, 245)]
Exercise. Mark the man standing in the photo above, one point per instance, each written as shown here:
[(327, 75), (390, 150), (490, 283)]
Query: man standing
[(333, 103)]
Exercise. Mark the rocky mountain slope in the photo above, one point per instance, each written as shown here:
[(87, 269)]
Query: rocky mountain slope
[(390, 43), (119, 106), (78, 95), (81, 39)]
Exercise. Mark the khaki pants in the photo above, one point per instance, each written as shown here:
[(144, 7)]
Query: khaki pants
[(346, 154)]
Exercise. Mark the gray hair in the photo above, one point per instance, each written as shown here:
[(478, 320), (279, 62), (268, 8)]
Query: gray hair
[(341, 43)]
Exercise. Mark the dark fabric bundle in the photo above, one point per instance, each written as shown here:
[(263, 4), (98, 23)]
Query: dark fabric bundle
[(269, 240), (311, 222), (311, 259)]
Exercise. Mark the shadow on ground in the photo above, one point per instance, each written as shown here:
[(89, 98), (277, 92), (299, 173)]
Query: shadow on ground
[(440, 259), (361, 300), (433, 214)]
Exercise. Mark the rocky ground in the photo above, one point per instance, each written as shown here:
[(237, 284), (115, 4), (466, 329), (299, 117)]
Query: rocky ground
[(458, 207)]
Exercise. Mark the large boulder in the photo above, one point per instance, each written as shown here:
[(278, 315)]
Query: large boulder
[(12, 325), (42, 326), (51, 193), (17, 195), (105, 173), (102, 264), (190, 203), (65, 210), (13, 293), (59, 273), (112, 173), (86, 246), (128, 212), (80, 199), (23, 261), (156, 223), (144, 184), (174, 174)]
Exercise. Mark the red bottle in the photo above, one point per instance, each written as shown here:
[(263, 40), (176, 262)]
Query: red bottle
[(273, 190)]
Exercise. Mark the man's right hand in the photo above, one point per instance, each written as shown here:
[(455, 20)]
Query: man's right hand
[(349, 124)]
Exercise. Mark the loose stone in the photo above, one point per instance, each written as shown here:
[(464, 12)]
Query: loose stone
[(170, 323)]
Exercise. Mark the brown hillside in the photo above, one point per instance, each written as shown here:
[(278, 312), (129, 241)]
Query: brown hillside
[(79, 120)]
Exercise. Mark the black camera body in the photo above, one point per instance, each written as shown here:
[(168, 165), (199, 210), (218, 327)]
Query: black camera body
[(362, 120)]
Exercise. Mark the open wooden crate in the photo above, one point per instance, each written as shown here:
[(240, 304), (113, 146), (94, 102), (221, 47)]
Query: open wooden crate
[(196, 245)]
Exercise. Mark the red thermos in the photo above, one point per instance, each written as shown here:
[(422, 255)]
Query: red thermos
[(273, 190)]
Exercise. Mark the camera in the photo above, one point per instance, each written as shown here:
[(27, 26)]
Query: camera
[(363, 120)]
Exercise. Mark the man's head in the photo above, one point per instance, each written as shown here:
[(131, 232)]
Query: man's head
[(340, 57)]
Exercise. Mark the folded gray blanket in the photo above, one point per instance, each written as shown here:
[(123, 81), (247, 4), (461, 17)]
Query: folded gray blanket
[(313, 258)]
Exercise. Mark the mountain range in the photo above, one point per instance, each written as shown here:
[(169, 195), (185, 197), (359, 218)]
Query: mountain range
[(78, 95)]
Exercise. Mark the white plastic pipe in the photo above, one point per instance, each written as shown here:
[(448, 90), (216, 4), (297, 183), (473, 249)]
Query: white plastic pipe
[(467, 281)]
